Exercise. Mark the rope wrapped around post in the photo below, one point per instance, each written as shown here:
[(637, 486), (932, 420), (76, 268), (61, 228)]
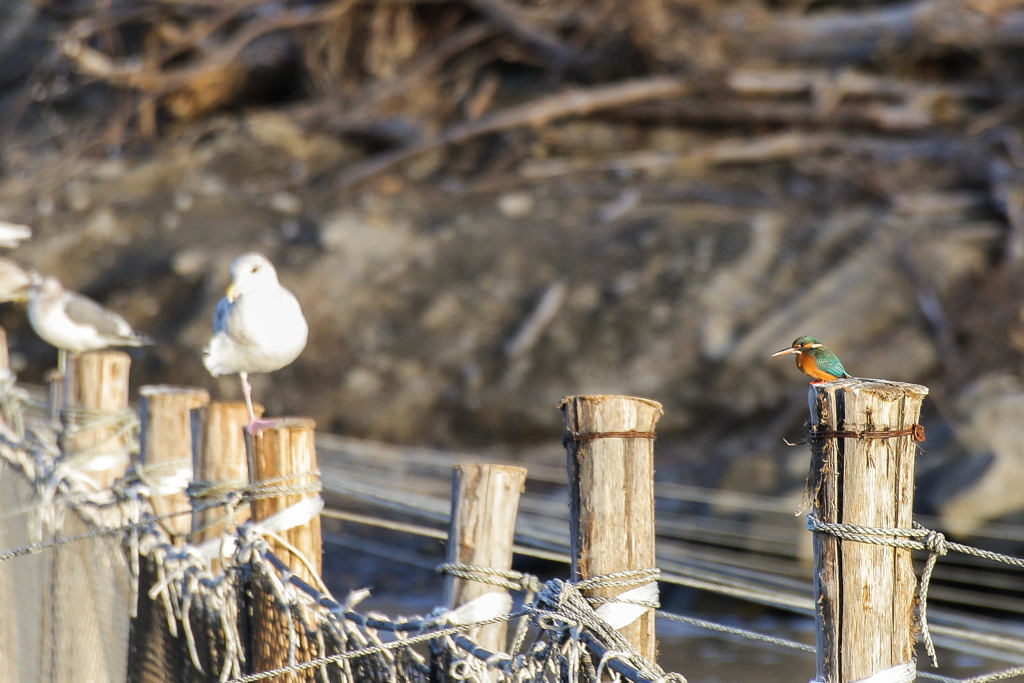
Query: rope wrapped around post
[(507, 579), (233, 493), (514, 580), (918, 538), (123, 423)]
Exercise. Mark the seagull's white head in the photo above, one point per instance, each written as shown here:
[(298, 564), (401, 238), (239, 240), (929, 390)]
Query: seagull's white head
[(250, 272), (47, 286)]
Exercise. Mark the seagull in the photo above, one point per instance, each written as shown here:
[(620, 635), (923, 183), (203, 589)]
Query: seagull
[(73, 322), (258, 327)]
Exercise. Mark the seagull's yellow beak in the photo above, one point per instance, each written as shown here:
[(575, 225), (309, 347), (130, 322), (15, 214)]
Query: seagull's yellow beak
[(232, 293), (783, 352)]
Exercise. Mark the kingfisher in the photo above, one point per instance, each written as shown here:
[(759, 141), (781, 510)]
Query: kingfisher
[(815, 360)]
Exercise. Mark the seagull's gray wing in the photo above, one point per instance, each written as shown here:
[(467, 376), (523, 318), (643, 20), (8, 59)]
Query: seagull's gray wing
[(84, 311), (220, 318)]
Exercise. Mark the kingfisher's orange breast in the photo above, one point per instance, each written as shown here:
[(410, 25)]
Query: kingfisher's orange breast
[(805, 361)]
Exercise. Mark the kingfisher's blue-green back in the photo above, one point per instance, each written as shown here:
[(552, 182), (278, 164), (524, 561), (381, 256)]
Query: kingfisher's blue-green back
[(827, 362)]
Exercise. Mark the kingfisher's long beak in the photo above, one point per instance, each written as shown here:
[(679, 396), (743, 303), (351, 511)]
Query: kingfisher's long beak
[(783, 352), (232, 293)]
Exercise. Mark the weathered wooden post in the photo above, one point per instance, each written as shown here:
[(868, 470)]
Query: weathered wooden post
[(609, 443), (284, 456), (10, 412), (862, 473), (97, 422), (165, 464), (219, 460), (485, 502), (165, 453), (5, 358)]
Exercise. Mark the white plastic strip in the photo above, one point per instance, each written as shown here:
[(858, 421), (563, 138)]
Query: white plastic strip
[(487, 606), (169, 484), (291, 517), (620, 614), (107, 461), (901, 673)]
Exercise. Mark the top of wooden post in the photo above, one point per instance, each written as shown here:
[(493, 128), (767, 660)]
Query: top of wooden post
[(166, 422), (883, 388), (95, 386), (597, 399), (97, 380), (171, 390), (165, 449)]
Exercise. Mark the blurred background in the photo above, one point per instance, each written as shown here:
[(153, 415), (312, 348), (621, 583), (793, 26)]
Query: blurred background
[(486, 205)]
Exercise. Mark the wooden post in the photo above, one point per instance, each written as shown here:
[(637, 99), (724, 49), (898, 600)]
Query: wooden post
[(285, 452), (288, 450), (13, 420), (485, 501), (165, 455), (96, 426), (611, 495), (5, 358), (864, 593), (218, 452)]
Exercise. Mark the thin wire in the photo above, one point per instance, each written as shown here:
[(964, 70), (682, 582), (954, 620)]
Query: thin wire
[(439, 534), (33, 548), (742, 632)]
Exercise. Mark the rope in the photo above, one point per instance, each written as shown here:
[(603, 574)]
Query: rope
[(78, 421), (918, 538), (625, 579), (214, 490), (502, 578), (270, 488), (513, 580)]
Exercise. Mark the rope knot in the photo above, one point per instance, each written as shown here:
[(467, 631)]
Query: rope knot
[(935, 542)]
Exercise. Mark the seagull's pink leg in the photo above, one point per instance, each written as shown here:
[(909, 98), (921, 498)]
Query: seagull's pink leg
[(256, 424)]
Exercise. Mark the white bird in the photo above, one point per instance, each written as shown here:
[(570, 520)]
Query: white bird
[(73, 322), (258, 327)]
